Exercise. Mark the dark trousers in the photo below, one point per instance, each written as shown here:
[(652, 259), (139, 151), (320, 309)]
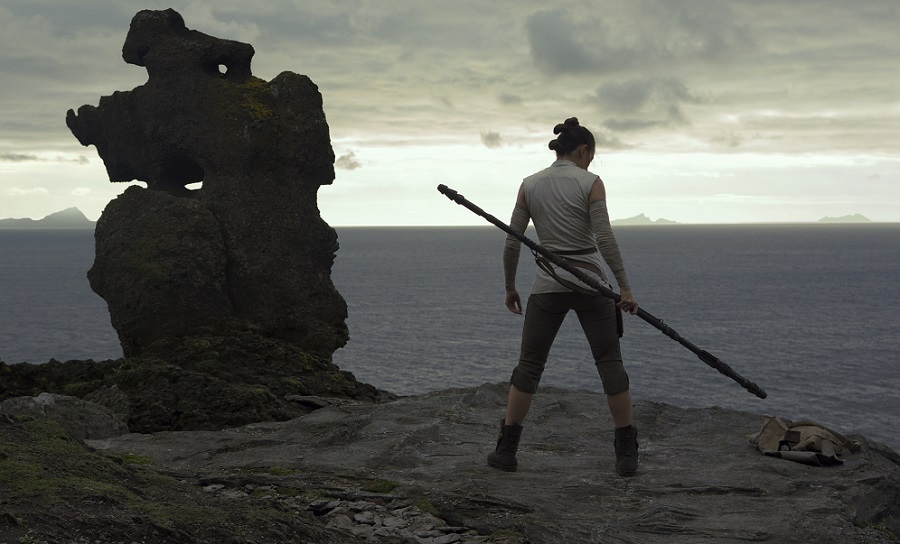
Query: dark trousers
[(544, 315)]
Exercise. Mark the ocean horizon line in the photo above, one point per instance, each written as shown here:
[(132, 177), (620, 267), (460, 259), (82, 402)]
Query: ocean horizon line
[(654, 225), (822, 224), (618, 223)]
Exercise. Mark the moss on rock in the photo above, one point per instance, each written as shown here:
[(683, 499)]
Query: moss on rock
[(54, 488), (248, 382)]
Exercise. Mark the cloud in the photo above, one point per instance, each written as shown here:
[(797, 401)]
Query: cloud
[(728, 138), (604, 140), (348, 161), (698, 31), (730, 197), (416, 57), (20, 191), (491, 140), (31, 157), (202, 16), (558, 44), (18, 157), (767, 77), (509, 99), (81, 191), (633, 37), (638, 104)]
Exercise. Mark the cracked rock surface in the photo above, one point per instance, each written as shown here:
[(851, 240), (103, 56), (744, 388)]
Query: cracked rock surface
[(699, 477)]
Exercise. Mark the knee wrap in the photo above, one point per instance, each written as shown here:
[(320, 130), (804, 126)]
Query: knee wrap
[(613, 376), (526, 379)]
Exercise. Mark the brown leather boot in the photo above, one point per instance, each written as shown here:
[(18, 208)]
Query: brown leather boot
[(626, 451), (504, 457)]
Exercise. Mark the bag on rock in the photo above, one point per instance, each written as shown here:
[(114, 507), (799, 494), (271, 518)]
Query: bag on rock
[(803, 441)]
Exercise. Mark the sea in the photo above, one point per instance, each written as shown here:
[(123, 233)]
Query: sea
[(809, 312)]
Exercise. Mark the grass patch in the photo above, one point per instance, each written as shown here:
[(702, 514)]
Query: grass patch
[(135, 459), (267, 491), (881, 528), (38, 460), (53, 485), (259, 493), (316, 495), (80, 389), (380, 486), (425, 506), (172, 515), (507, 536), (281, 471)]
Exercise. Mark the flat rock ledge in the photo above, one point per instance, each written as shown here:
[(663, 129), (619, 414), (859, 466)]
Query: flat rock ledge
[(413, 470)]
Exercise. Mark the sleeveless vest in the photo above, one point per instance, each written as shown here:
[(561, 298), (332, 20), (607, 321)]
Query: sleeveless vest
[(557, 200)]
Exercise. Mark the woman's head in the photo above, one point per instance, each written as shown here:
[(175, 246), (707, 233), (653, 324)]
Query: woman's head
[(573, 142), (570, 137)]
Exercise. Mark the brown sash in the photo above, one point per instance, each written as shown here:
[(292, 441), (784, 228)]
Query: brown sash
[(545, 264)]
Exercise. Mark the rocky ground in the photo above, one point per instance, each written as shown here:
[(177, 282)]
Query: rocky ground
[(207, 381), (412, 470)]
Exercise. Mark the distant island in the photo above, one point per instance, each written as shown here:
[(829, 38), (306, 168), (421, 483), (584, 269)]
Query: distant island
[(855, 218), (70, 218), (642, 220)]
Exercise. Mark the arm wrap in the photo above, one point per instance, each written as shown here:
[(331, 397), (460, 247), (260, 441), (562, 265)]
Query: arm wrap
[(606, 241), (512, 247)]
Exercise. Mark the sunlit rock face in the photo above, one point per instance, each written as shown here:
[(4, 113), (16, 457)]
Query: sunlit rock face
[(248, 251)]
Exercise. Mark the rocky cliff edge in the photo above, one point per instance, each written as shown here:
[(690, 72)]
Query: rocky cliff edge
[(413, 470)]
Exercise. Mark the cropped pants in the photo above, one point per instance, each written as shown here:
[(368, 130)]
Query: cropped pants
[(544, 315)]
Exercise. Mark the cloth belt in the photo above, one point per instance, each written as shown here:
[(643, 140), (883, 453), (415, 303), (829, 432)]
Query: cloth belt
[(587, 251), (547, 267)]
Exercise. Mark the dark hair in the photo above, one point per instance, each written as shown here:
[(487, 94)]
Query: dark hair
[(571, 135)]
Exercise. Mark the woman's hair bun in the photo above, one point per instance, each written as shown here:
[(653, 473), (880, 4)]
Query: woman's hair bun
[(571, 135), (562, 127)]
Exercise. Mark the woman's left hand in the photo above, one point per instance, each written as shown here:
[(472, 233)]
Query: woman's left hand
[(628, 303), (514, 302)]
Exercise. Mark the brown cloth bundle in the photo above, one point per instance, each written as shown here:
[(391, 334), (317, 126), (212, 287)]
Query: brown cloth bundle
[(803, 441)]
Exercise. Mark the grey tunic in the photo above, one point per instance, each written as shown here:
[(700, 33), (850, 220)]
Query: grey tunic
[(557, 200)]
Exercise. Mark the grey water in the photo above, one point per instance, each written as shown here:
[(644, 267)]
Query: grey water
[(809, 312), (47, 308)]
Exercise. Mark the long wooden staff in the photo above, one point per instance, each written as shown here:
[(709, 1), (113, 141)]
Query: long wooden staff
[(603, 290)]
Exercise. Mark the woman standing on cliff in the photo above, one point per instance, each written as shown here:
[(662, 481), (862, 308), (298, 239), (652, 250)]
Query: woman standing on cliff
[(568, 206)]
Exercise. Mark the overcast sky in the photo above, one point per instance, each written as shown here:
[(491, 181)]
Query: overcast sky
[(705, 111)]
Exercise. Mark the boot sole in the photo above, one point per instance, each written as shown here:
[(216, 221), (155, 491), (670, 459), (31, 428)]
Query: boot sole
[(504, 468)]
